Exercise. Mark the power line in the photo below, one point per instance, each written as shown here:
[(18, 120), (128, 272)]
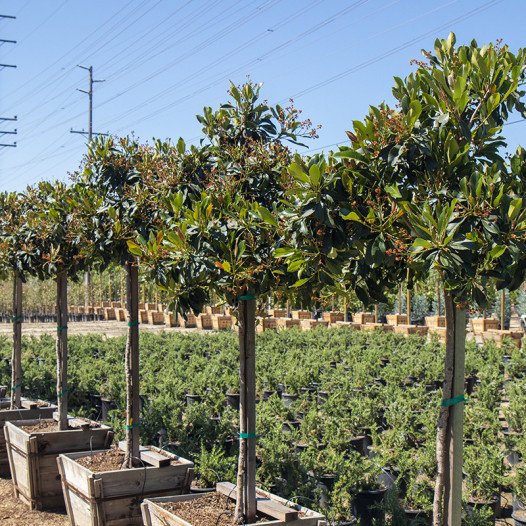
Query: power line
[(2, 67)]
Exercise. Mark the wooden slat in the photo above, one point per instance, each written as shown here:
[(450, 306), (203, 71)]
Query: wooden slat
[(153, 458), (264, 505)]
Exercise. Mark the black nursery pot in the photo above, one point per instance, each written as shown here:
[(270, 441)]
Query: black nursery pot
[(493, 505), (192, 399), (106, 407), (201, 490), (300, 447), (288, 399), (470, 383), (322, 397), (291, 425), (365, 507), (328, 481), (232, 400), (417, 516), (267, 393)]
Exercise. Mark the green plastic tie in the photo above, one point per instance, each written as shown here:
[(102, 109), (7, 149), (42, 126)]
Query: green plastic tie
[(133, 324), (131, 426), (14, 387), (454, 401), (247, 297), (17, 319), (64, 393), (62, 328), (248, 435)]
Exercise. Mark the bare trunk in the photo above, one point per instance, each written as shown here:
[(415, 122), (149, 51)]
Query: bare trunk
[(400, 300), (345, 314), (87, 288), (439, 300), (16, 360), (246, 501), (503, 309), (448, 487), (376, 313), (409, 306), (132, 455), (62, 349)]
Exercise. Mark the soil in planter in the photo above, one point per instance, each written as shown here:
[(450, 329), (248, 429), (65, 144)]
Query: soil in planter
[(48, 426), (110, 460), (210, 510)]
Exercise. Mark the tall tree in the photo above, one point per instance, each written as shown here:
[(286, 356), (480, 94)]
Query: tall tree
[(436, 163), (221, 240)]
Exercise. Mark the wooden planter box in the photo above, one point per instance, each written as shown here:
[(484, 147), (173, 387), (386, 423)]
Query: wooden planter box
[(150, 306), (204, 322), (143, 316), (307, 325), (213, 310), (499, 336), (435, 321), (396, 319), (363, 317), (411, 329), (120, 314), (288, 323), (349, 325), (438, 331), (221, 323), (30, 410), (279, 313), (332, 316), (116, 304), (267, 324), (161, 307), (155, 317), (106, 304), (73, 309), (171, 320), (109, 314), (33, 458), (113, 498), (480, 325), (377, 327), (190, 322), (301, 314), (280, 510)]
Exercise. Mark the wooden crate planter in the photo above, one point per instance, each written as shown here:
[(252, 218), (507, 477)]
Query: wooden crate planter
[(150, 306), (116, 304), (155, 317), (190, 322), (301, 314), (332, 316), (113, 498), (435, 321), (171, 320), (349, 325), (143, 316), (30, 410), (480, 325), (278, 509), (33, 458), (213, 310), (106, 304), (161, 307), (407, 330), (109, 314), (120, 314), (307, 325), (288, 323), (221, 323), (499, 336), (204, 322), (377, 327), (267, 324), (279, 313), (363, 317), (440, 332), (396, 319)]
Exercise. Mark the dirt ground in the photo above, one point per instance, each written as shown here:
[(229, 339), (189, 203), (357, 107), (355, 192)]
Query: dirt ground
[(14, 513), (109, 328)]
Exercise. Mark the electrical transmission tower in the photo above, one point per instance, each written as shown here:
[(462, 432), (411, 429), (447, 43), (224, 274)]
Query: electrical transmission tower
[(88, 292), (7, 119)]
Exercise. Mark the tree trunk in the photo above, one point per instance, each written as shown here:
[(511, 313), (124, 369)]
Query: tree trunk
[(16, 360), (132, 456), (400, 300), (409, 306), (246, 491), (87, 289), (439, 300), (502, 309), (447, 503), (376, 313), (345, 315), (62, 349)]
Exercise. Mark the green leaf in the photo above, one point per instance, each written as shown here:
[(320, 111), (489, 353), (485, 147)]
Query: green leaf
[(299, 283), (297, 172), (284, 252), (134, 248), (497, 251), (267, 216), (352, 216)]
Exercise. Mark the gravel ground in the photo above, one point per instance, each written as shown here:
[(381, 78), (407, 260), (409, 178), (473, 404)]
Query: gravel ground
[(14, 513)]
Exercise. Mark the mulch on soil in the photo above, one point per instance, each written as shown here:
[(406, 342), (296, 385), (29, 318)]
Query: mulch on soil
[(211, 509), (110, 460), (14, 513), (49, 426)]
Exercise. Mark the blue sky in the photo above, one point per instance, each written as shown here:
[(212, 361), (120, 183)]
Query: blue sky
[(163, 60)]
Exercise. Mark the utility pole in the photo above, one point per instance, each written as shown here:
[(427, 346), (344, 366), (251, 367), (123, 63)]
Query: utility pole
[(87, 277), (10, 66)]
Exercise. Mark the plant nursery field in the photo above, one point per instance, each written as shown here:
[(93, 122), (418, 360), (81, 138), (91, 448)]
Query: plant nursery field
[(341, 413)]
